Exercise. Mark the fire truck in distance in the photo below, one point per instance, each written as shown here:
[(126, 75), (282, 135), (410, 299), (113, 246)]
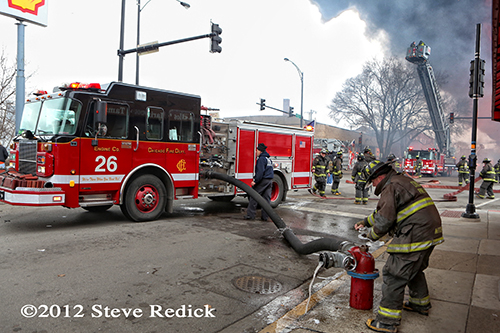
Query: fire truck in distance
[(140, 148), (433, 163)]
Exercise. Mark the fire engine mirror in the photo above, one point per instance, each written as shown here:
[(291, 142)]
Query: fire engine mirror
[(101, 112)]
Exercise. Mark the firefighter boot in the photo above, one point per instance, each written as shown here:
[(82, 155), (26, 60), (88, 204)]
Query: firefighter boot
[(377, 326), (423, 310)]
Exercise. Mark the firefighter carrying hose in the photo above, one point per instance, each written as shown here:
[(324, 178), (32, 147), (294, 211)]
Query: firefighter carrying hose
[(406, 212), (335, 168), (489, 178), (319, 170), (463, 171), (358, 177)]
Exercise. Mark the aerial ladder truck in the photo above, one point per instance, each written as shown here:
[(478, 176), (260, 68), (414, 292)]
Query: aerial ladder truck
[(435, 161)]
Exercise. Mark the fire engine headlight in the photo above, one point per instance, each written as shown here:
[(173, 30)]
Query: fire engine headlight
[(41, 169)]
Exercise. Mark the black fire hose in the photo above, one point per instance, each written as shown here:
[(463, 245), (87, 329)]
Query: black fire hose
[(322, 244)]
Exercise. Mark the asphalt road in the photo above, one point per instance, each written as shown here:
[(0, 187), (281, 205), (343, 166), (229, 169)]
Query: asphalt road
[(202, 268)]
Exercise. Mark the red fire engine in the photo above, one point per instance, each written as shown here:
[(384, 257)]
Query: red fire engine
[(141, 148), (433, 163)]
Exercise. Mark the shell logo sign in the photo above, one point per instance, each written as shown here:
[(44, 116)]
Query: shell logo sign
[(27, 6), (34, 11)]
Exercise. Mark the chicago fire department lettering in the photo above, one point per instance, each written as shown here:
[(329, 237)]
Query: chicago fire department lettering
[(181, 165)]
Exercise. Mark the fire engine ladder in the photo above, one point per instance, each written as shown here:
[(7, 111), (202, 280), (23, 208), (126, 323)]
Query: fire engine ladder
[(433, 98)]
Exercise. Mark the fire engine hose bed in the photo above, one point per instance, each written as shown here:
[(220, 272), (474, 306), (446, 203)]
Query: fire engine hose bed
[(322, 244)]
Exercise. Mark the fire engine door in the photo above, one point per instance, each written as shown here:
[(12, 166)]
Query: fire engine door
[(106, 152)]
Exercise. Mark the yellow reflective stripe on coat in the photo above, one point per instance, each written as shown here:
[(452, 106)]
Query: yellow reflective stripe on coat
[(396, 314), (370, 219), (413, 247), (413, 208)]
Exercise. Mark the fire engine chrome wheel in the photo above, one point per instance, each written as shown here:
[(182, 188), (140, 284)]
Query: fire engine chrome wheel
[(144, 199), (277, 191)]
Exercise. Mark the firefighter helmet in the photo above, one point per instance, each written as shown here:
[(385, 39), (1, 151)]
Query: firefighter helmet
[(339, 153), (375, 169), (418, 157), (463, 157), (367, 150), (324, 151), (361, 157), (486, 160), (391, 157)]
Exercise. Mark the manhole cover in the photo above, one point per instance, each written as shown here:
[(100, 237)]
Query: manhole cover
[(257, 284), (451, 213)]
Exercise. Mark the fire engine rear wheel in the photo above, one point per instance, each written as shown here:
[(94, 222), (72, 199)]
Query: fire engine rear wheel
[(144, 199), (277, 191)]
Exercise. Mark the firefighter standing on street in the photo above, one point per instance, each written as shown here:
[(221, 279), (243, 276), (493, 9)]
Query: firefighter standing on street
[(367, 152), (418, 166), (262, 182), (489, 178), (497, 170), (357, 176), (407, 213), (463, 171), (319, 170), (335, 168)]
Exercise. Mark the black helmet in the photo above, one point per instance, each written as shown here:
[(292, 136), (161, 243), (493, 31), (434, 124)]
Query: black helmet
[(339, 152), (486, 160), (375, 169), (361, 157), (367, 150), (391, 157), (463, 157), (418, 157)]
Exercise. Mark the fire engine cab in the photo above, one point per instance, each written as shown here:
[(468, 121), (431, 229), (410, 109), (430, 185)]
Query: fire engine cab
[(94, 146), (432, 161)]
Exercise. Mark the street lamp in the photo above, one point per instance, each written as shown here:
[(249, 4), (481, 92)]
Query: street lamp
[(301, 75), (139, 10)]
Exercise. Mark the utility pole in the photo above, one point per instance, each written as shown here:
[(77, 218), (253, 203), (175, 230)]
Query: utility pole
[(470, 210)]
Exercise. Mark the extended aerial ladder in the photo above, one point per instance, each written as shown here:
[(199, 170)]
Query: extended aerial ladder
[(419, 55)]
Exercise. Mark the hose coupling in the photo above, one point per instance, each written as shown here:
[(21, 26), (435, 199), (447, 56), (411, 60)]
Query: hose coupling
[(337, 260)]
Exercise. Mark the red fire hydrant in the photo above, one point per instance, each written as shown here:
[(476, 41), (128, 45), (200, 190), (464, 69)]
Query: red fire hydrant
[(362, 277)]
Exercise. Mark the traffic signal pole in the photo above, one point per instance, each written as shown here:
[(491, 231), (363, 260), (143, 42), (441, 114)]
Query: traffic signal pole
[(470, 210)]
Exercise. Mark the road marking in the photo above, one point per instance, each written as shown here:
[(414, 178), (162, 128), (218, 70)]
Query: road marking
[(488, 202), (324, 211)]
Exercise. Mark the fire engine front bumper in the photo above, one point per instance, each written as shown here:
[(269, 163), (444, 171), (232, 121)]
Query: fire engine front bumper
[(28, 196)]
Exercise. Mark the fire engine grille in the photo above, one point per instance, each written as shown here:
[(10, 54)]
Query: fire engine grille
[(27, 156)]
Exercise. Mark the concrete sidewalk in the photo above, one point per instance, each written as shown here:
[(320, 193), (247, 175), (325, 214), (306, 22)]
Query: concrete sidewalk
[(463, 279)]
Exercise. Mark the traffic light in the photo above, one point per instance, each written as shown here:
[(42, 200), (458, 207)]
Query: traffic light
[(262, 104), (216, 40), (480, 77), (452, 117), (290, 111), (471, 79)]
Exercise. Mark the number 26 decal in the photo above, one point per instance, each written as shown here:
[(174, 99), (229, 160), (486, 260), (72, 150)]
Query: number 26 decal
[(106, 165)]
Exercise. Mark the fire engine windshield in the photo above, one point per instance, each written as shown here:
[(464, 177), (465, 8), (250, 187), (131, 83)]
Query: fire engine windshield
[(50, 117), (423, 154)]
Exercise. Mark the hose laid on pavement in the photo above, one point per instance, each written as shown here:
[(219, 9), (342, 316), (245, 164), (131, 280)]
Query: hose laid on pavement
[(322, 244)]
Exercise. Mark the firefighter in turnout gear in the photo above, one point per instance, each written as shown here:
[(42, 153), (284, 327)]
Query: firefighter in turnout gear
[(463, 171), (367, 152), (319, 170), (497, 170), (358, 177), (407, 213), (489, 178), (418, 166), (335, 168)]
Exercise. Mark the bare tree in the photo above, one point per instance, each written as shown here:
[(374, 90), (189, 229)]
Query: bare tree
[(386, 97), (7, 100)]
